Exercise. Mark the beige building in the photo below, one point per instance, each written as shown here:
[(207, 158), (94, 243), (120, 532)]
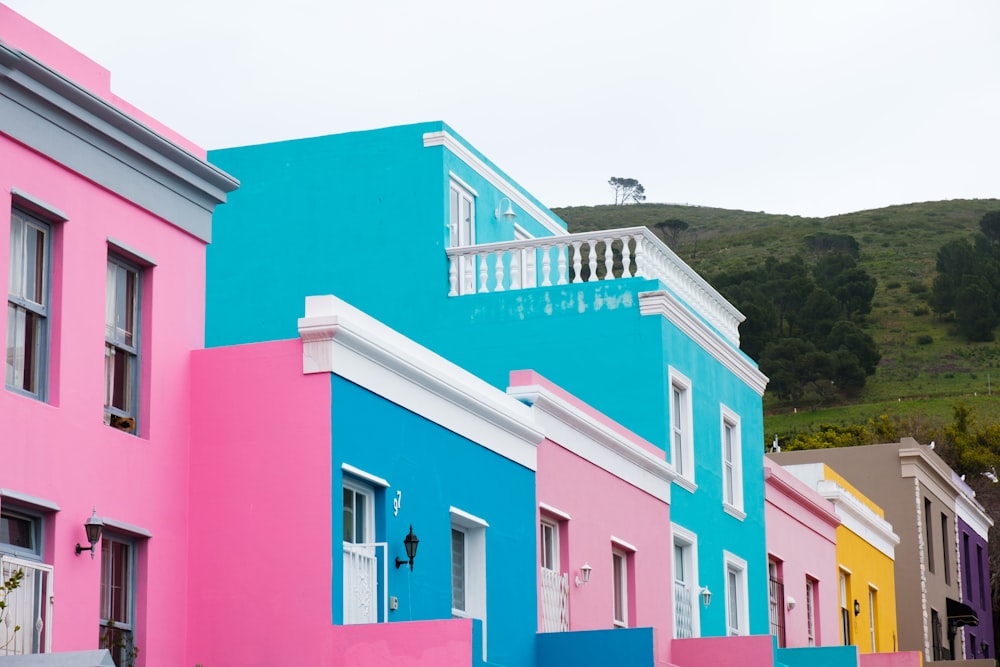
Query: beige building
[(915, 488)]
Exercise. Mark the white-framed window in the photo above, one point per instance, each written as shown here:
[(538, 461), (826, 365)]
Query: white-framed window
[(25, 621), (845, 611), (619, 578), (462, 231), (811, 612), (28, 305), (687, 612), (118, 598), (681, 425), (549, 537), (553, 579), (736, 595), (468, 567), (121, 343), (21, 533), (361, 566), (776, 600), (872, 602), (732, 463), (527, 274)]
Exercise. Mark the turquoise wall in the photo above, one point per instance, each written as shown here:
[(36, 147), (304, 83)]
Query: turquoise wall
[(435, 470), (597, 648), (364, 216)]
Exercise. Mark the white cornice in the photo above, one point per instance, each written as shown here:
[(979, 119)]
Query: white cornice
[(859, 518), (972, 513), (578, 432), (338, 338), (662, 302), (445, 138)]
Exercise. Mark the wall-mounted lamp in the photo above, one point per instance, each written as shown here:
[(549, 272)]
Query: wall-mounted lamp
[(706, 596), (790, 603), (507, 213), (410, 542), (584, 575), (857, 608), (93, 526)]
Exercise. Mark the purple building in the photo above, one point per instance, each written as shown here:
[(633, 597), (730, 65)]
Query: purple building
[(974, 570)]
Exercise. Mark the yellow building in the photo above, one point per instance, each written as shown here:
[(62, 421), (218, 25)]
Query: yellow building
[(866, 543)]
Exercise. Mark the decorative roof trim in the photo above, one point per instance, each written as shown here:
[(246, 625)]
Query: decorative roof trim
[(578, 432), (662, 302), (859, 518), (825, 511), (448, 141), (67, 123), (338, 338)]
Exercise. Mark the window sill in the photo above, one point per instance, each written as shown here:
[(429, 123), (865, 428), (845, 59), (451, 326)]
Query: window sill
[(734, 512)]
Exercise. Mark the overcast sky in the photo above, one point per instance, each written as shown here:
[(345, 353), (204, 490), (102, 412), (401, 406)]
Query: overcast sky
[(785, 106)]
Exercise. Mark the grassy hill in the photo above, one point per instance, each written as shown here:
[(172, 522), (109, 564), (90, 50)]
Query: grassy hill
[(924, 371)]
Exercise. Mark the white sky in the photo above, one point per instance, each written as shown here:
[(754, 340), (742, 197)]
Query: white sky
[(785, 106)]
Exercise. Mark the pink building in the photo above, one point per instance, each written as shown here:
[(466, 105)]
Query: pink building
[(604, 523), (802, 561), (106, 215)]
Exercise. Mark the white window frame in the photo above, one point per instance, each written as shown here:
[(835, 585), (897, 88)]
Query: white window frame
[(366, 491), (737, 613), (681, 425), (115, 343), (32, 381), (846, 622), (688, 542), (37, 527), (461, 232), (732, 462), (811, 610), (619, 588), (549, 536), (474, 568), (872, 594), (527, 273)]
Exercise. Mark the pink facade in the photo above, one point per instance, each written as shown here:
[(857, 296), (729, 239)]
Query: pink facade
[(264, 519), (801, 543), (61, 458), (592, 495)]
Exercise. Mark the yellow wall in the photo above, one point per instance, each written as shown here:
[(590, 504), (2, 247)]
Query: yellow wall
[(831, 474), (868, 566)]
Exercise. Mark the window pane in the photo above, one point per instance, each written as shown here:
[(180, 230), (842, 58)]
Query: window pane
[(618, 573), (116, 581), (34, 270), (118, 371), (360, 512), (457, 569), (349, 516), (16, 272), (17, 531)]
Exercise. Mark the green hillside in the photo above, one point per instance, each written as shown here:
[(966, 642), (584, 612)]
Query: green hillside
[(924, 370)]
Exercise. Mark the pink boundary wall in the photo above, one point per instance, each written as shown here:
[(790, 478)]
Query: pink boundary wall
[(20, 33), (262, 533), (595, 499), (802, 534), (748, 651), (898, 659)]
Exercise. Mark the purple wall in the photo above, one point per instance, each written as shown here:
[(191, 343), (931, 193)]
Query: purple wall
[(975, 574)]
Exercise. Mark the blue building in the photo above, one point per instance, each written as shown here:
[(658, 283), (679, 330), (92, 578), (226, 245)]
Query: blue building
[(415, 227)]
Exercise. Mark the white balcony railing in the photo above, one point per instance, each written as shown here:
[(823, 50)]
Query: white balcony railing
[(361, 579), (555, 601), (29, 608), (683, 611), (587, 257)]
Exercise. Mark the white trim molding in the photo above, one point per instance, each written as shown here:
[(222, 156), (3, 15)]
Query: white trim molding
[(580, 433), (358, 473), (623, 545), (27, 499), (859, 518), (506, 188), (662, 302), (549, 510), (338, 338)]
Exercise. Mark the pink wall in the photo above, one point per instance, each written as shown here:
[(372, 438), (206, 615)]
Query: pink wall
[(261, 533), (19, 33), (601, 506), (447, 643), (899, 659), (749, 651), (61, 450), (801, 533)]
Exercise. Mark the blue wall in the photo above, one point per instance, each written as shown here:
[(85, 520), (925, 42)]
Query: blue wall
[(436, 469), (597, 648), (364, 216)]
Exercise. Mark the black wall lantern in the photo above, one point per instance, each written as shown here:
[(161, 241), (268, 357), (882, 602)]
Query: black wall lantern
[(857, 608), (93, 526), (410, 542)]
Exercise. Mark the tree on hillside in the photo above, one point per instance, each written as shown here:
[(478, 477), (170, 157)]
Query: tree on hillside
[(990, 225), (627, 190), (967, 286), (671, 230)]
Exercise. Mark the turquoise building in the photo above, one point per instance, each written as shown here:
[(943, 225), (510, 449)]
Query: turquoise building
[(414, 226)]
